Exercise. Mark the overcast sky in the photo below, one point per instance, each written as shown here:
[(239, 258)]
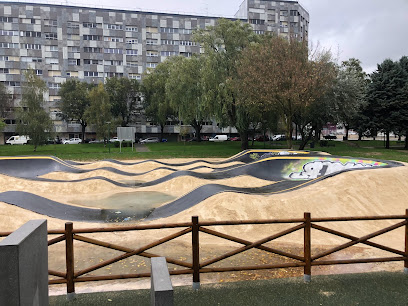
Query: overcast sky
[(370, 30)]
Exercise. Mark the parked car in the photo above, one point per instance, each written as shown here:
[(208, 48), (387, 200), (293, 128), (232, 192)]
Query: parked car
[(16, 140), (219, 138), (235, 139), (149, 140), (278, 137), (72, 141), (114, 139), (330, 136)]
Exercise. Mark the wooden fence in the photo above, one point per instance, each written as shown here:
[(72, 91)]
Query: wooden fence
[(196, 267)]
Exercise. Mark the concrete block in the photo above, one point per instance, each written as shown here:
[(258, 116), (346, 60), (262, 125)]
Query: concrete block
[(161, 287), (24, 266)]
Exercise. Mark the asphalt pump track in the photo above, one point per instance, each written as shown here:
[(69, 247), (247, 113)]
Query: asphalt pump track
[(287, 170)]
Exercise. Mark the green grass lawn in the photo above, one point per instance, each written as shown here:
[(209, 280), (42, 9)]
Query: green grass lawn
[(366, 149)]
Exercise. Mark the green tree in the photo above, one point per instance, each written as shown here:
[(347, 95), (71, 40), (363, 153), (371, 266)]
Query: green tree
[(156, 102), (125, 98), (349, 94), (6, 100), (278, 74), (223, 44), (387, 98), (185, 91), (75, 101), (32, 119), (99, 111)]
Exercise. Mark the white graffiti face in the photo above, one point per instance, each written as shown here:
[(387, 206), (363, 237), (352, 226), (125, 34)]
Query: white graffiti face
[(316, 169)]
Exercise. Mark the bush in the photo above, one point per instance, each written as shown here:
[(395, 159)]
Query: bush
[(124, 144)]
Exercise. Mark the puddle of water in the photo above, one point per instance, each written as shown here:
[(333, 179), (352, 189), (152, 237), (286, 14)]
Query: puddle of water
[(132, 183), (138, 201)]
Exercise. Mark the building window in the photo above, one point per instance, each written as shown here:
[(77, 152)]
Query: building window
[(4, 58), (92, 62), (90, 25), (113, 63), (114, 26), (259, 32), (135, 76), (283, 13), (169, 30), (73, 37), (30, 46), (4, 70), (30, 34), (187, 43), (132, 64), (8, 45), (113, 39), (186, 54), (11, 83), (169, 42), (74, 62), (72, 25), (113, 51), (50, 36), (151, 41), (74, 49), (91, 74), (151, 65), (113, 75), (50, 22), (152, 53), (38, 72), (151, 30), (92, 50), (8, 19), (51, 48), (131, 52), (8, 33), (132, 41), (131, 29), (293, 13), (169, 53), (256, 21), (92, 37), (51, 61), (54, 85)]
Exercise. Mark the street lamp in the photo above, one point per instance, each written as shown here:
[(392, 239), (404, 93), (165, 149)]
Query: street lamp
[(108, 122)]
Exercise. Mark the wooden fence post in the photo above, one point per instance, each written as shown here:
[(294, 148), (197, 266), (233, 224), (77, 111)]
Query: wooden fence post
[(406, 243), (196, 253), (307, 274), (69, 256)]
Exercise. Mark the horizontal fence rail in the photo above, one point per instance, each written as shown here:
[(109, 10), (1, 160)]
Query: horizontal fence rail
[(197, 266)]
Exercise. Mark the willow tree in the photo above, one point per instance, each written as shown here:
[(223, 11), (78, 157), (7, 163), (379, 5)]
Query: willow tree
[(155, 100), (75, 101), (280, 74), (99, 111), (185, 91), (223, 45), (32, 118)]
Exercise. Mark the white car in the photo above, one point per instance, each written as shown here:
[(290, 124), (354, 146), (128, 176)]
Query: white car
[(114, 139), (72, 141), (149, 140)]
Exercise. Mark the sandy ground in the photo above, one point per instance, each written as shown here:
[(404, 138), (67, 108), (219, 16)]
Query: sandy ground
[(355, 193)]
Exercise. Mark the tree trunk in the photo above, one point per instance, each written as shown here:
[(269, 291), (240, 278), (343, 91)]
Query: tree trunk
[(197, 127), (244, 140), (387, 141), (406, 140), (161, 132), (360, 136), (347, 132), (83, 125)]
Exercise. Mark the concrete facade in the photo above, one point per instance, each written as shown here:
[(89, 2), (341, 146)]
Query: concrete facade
[(91, 44), (24, 266)]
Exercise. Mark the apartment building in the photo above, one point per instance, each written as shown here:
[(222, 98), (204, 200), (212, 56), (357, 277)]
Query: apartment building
[(92, 44)]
